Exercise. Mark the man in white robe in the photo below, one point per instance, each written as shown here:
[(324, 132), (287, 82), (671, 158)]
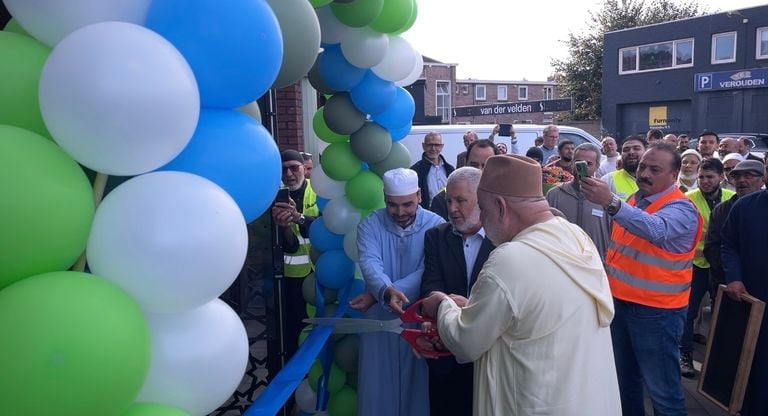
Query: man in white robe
[(537, 321), (392, 381)]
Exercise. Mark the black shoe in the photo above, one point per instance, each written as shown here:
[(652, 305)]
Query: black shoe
[(686, 365), (700, 339)]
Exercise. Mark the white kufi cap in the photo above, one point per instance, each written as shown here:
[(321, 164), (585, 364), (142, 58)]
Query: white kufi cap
[(400, 182)]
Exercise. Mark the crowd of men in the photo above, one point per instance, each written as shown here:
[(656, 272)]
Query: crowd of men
[(569, 303)]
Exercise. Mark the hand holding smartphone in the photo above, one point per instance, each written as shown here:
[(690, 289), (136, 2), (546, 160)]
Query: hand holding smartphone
[(283, 195), (581, 170)]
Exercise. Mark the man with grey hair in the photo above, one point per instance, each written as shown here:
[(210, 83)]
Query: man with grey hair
[(610, 150), (569, 199), (454, 254), (551, 135)]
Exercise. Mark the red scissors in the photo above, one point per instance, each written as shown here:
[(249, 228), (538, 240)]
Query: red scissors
[(411, 315)]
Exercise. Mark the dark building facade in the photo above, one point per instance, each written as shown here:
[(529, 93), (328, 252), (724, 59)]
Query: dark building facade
[(708, 72)]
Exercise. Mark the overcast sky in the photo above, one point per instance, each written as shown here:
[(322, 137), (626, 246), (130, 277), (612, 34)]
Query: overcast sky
[(507, 39)]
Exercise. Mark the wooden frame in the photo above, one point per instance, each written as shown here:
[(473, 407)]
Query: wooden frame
[(724, 380)]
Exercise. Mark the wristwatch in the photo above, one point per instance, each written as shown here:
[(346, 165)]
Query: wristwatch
[(302, 219), (613, 206)]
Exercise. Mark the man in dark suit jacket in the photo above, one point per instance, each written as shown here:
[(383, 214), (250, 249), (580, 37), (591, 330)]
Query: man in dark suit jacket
[(454, 254), (432, 169)]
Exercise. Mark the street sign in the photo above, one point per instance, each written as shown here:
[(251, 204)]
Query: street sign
[(543, 106), (731, 80)]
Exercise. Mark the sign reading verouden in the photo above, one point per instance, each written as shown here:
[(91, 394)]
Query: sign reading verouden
[(732, 80)]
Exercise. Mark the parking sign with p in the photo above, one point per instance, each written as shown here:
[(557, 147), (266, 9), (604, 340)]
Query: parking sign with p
[(703, 82)]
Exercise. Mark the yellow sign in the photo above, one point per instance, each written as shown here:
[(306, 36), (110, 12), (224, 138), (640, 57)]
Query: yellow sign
[(657, 117)]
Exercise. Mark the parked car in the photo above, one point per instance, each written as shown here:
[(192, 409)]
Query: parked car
[(453, 137)]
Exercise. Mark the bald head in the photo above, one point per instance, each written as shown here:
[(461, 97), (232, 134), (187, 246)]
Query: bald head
[(727, 146)]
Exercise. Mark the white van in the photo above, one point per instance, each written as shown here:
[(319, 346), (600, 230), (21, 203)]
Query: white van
[(453, 138)]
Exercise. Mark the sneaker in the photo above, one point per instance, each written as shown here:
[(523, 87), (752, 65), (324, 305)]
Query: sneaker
[(686, 365)]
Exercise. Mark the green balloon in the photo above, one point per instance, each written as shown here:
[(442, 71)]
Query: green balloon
[(47, 210), (20, 68), (323, 132), (341, 115), (371, 143), (319, 3), (311, 310), (345, 353), (398, 157), (394, 16), (153, 409), (336, 379), (14, 27), (72, 344), (339, 162), (343, 402), (365, 191), (357, 13), (301, 39), (411, 20)]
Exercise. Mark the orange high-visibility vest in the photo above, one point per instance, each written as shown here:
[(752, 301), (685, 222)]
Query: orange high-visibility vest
[(643, 273)]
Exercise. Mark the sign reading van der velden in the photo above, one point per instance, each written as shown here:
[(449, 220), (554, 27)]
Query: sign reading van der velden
[(732, 80), (544, 106)]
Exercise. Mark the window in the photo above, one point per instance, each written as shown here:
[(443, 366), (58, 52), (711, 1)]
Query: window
[(501, 92), (480, 92), (762, 43), (657, 56), (522, 93), (465, 89), (443, 100), (724, 48), (457, 89), (548, 93)]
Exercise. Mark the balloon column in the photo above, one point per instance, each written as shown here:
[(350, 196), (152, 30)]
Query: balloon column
[(363, 68), (142, 88)]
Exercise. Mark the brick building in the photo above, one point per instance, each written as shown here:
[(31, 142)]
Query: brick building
[(438, 91)]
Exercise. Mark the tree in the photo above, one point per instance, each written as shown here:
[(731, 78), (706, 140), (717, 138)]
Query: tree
[(580, 74)]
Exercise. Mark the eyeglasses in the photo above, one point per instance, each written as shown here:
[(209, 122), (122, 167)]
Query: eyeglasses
[(292, 168), (433, 144), (747, 175)]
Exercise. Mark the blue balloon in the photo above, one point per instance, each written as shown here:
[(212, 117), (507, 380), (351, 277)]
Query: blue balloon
[(323, 239), (399, 113), (321, 203), (334, 269), (373, 95), (238, 154), (336, 71), (400, 133), (234, 47)]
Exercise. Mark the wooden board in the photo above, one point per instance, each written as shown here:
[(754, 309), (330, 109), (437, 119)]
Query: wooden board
[(730, 348)]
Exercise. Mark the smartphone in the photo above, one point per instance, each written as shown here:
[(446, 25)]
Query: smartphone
[(505, 129), (581, 169), (283, 194)]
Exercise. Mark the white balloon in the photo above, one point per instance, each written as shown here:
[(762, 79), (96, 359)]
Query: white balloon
[(415, 72), (364, 47), (324, 186), (306, 398), (49, 21), (398, 62), (350, 245), (340, 216), (332, 31), (172, 240), (198, 358), (252, 110), (119, 98)]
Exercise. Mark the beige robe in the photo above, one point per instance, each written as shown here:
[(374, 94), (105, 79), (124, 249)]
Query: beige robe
[(537, 327)]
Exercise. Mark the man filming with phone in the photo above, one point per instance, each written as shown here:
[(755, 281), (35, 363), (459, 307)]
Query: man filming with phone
[(294, 210), (577, 209)]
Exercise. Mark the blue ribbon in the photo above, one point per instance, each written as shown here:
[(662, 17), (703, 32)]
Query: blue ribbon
[(288, 379)]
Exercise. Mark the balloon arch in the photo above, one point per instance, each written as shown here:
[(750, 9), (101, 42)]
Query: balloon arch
[(150, 89)]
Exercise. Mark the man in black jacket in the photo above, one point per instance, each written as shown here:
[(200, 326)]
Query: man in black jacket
[(454, 254), (478, 153), (432, 169)]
